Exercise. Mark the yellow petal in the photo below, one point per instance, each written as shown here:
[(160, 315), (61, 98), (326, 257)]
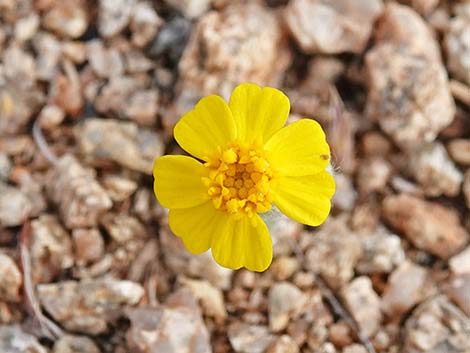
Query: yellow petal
[(197, 225), (299, 149), (258, 112), (305, 199), (209, 125), (235, 243), (177, 181), (243, 243)]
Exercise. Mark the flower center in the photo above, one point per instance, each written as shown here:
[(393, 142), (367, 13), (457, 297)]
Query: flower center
[(239, 180)]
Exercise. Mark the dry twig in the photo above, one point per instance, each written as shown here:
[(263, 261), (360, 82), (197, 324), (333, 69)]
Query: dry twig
[(334, 302), (42, 144), (143, 269), (48, 327)]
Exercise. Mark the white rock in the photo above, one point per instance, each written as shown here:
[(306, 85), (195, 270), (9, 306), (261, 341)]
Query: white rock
[(285, 301), (145, 23), (15, 207), (457, 43), (249, 338), (14, 340), (434, 170), (88, 306), (345, 195), (11, 279), (167, 329), (332, 26), (382, 252), (409, 93), (211, 298), (460, 263), (364, 304), (406, 287), (26, 27), (114, 16)]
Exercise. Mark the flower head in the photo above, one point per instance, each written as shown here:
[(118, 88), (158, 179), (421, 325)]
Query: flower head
[(245, 161)]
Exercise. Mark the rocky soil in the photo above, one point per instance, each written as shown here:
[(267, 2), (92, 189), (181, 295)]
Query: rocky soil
[(89, 93)]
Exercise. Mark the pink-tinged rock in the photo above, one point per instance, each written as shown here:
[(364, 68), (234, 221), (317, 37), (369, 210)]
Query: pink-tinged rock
[(88, 245), (459, 150), (102, 141), (20, 96), (50, 248), (382, 252), (409, 94), (457, 43), (75, 344), (332, 26), (246, 338), (355, 348), (364, 304), (51, 117), (118, 187), (67, 18), (460, 263), (88, 306), (12, 279), (81, 199), (340, 334), (105, 62), (66, 90), (427, 225), (437, 325), (433, 169), (458, 291), (144, 24), (424, 7), (408, 285), (373, 175), (15, 207), (114, 16), (285, 301), (224, 51), (48, 49), (167, 329), (345, 195), (210, 297), (122, 227), (26, 27), (142, 107), (283, 267), (284, 344), (334, 252), (14, 340)]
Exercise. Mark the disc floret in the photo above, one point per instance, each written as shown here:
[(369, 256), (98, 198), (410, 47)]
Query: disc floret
[(239, 178)]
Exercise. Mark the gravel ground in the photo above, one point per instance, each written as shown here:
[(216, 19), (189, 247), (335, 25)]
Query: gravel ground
[(89, 94)]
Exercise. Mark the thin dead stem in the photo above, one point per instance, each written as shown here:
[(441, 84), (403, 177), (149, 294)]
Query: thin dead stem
[(42, 144), (144, 268), (334, 302), (48, 327)]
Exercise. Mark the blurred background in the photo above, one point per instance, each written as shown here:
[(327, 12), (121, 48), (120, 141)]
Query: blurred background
[(89, 94)]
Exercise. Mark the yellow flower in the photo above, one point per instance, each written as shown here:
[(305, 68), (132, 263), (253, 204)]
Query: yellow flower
[(249, 161)]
